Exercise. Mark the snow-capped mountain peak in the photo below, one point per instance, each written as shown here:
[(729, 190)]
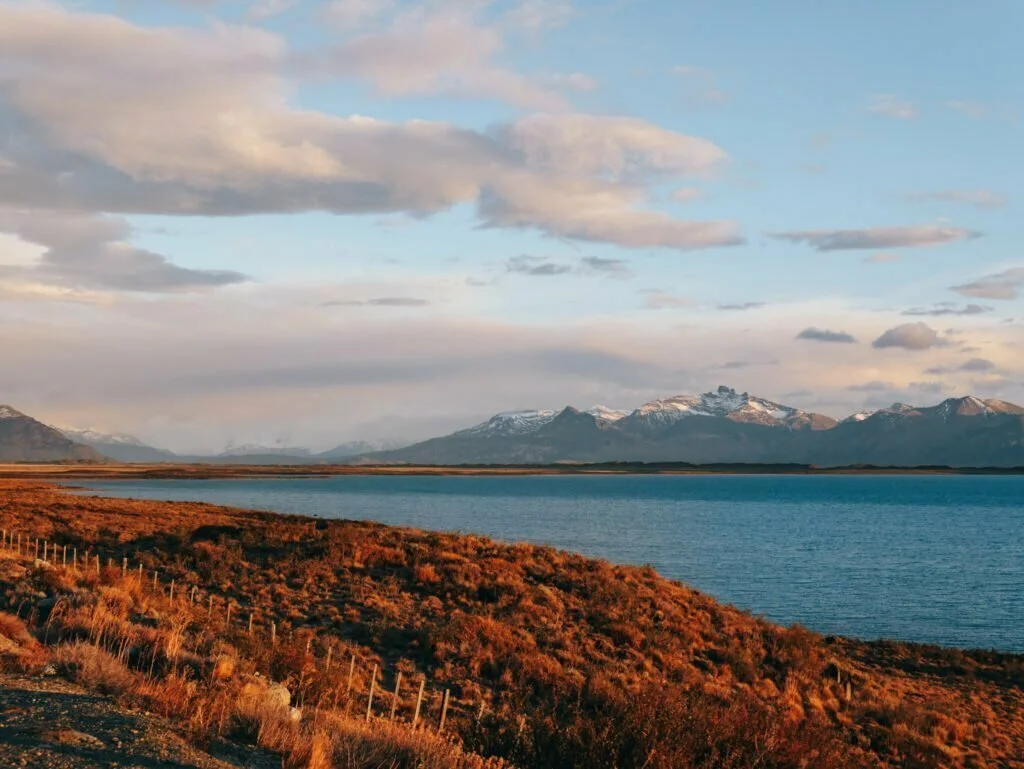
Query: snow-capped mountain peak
[(723, 402), (860, 416), (6, 412), (512, 423), (90, 436), (605, 414)]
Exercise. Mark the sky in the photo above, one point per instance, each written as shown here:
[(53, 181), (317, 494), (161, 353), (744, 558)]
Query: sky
[(304, 222)]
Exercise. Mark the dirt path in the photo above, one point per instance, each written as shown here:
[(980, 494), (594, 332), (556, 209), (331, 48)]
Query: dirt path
[(47, 723)]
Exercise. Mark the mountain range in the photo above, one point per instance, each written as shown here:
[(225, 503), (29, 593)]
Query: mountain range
[(723, 426)]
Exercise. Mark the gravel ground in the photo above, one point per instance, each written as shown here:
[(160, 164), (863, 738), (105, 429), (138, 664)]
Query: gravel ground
[(51, 724)]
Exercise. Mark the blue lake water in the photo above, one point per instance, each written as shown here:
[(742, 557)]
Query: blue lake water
[(937, 559)]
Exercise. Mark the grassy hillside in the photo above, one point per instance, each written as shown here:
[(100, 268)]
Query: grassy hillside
[(550, 659)]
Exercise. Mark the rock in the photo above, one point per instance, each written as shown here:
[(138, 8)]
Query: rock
[(70, 737), (278, 694)]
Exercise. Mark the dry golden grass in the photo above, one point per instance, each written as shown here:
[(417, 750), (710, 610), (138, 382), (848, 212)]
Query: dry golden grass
[(575, 662)]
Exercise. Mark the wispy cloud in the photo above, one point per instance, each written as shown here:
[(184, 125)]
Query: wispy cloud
[(742, 306), (383, 301), (877, 237), (943, 309), (536, 266), (891, 105), (980, 198), (974, 365), (824, 335), (606, 265), (660, 300), (1002, 285)]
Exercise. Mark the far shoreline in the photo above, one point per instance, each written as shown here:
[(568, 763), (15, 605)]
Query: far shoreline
[(115, 471)]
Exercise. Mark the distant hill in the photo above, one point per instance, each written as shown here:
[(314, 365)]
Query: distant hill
[(118, 446), (24, 439), (729, 427)]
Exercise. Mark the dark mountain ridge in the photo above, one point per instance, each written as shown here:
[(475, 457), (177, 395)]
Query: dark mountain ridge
[(24, 439), (730, 427)]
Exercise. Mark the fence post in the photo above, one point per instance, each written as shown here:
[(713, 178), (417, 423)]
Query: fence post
[(98, 572), (250, 623), (330, 651), (394, 700), (444, 712), (124, 567), (155, 572), (227, 620), (140, 575), (209, 611), (64, 557), (171, 594), (351, 672), (369, 701), (74, 558), (273, 633), (419, 703)]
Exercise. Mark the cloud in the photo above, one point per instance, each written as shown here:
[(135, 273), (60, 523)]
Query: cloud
[(890, 105), (942, 310), (909, 336), (535, 265), (871, 387), (1001, 285), (83, 251), (100, 115), (976, 198), (660, 300), (824, 335), (974, 365), (975, 109), (687, 194), (607, 265), (877, 237), (346, 15), (384, 301), (265, 9), (742, 306), (533, 15)]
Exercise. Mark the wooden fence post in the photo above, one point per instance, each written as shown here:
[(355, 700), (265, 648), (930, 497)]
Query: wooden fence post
[(351, 672), (444, 712), (273, 633), (330, 651), (171, 594), (419, 703), (369, 701), (250, 623), (98, 572), (64, 557), (155, 572), (124, 567), (394, 700), (74, 558)]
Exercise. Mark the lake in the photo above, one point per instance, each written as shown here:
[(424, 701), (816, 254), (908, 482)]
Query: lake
[(937, 559)]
